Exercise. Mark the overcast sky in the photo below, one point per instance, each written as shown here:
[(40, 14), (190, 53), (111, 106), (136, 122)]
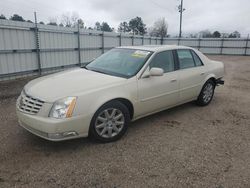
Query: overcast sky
[(222, 15)]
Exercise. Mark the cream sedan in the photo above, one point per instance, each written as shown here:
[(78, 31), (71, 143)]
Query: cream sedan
[(122, 85)]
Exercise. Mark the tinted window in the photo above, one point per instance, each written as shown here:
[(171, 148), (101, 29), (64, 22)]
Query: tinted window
[(185, 59), (196, 59), (164, 60)]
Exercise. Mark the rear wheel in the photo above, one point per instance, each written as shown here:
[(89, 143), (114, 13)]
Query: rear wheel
[(206, 94), (110, 122)]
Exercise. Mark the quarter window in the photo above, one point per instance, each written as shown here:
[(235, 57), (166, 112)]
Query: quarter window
[(185, 59), (196, 59), (164, 60)]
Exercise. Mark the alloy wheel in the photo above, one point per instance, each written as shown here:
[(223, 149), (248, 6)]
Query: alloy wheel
[(208, 92), (109, 123)]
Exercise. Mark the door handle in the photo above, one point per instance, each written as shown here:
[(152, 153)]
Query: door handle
[(202, 73), (174, 80)]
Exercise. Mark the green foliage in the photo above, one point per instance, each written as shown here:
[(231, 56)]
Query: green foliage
[(124, 27), (234, 34), (97, 26), (41, 23), (52, 23), (137, 26), (105, 27), (16, 17), (2, 17), (216, 34), (81, 23)]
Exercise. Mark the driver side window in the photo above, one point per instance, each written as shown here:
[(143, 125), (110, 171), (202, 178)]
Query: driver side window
[(164, 60)]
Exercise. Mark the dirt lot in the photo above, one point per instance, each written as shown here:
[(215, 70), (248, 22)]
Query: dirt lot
[(187, 146)]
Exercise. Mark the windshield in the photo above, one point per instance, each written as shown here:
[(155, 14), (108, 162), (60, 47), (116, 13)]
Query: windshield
[(120, 62)]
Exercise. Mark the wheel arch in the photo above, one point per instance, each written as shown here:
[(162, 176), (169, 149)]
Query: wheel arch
[(124, 101), (128, 104), (213, 79), (210, 77)]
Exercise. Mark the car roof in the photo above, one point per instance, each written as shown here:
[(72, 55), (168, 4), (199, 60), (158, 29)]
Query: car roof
[(155, 48)]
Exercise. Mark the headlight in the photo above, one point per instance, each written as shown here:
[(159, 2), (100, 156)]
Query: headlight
[(63, 108)]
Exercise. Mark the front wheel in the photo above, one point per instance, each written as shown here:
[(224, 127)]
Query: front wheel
[(206, 94), (110, 122)]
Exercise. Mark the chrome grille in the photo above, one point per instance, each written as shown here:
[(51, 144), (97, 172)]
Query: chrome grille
[(29, 104)]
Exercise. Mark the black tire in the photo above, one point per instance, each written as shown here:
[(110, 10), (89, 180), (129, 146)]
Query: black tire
[(121, 108), (202, 100)]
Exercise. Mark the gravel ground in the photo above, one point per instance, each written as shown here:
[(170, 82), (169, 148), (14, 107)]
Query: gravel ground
[(187, 146)]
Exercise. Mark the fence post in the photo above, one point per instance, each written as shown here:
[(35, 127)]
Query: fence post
[(199, 43), (179, 41), (102, 41), (132, 40), (246, 45), (79, 43), (222, 45), (37, 46), (120, 39)]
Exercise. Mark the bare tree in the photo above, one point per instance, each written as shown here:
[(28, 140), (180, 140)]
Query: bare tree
[(69, 19), (65, 19), (74, 19), (205, 34), (160, 28)]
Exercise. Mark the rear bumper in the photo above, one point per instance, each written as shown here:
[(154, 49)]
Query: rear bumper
[(220, 81), (54, 129)]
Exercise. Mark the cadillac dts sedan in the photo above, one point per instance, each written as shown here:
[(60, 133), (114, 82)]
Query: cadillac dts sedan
[(122, 85)]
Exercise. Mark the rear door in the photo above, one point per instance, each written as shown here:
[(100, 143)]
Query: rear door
[(191, 73)]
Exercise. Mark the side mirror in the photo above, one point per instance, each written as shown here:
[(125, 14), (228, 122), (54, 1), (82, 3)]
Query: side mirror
[(156, 71)]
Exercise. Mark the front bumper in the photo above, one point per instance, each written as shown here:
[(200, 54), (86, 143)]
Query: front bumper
[(54, 129)]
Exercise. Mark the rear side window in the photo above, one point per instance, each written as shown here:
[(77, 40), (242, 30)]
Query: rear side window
[(196, 59), (185, 59), (164, 60)]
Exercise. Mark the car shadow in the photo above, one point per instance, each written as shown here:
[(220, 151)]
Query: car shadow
[(79, 143)]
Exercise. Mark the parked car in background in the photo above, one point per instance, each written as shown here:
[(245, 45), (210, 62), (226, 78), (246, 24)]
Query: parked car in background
[(122, 85)]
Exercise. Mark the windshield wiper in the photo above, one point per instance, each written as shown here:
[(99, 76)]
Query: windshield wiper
[(84, 65), (85, 68), (98, 71), (108, 73)]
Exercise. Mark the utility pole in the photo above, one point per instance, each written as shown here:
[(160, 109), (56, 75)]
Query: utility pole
[(181, 9)]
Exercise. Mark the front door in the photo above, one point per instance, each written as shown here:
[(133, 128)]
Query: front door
[(159, 92)]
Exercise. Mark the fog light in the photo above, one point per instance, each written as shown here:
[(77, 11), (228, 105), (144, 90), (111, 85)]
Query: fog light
[(62, 135), (68, 134), (55, 135)]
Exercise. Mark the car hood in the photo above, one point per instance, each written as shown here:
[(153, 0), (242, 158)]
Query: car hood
[(69, 83)]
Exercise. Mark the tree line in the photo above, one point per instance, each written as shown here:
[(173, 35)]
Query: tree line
[(216, 34), (132, 26)]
